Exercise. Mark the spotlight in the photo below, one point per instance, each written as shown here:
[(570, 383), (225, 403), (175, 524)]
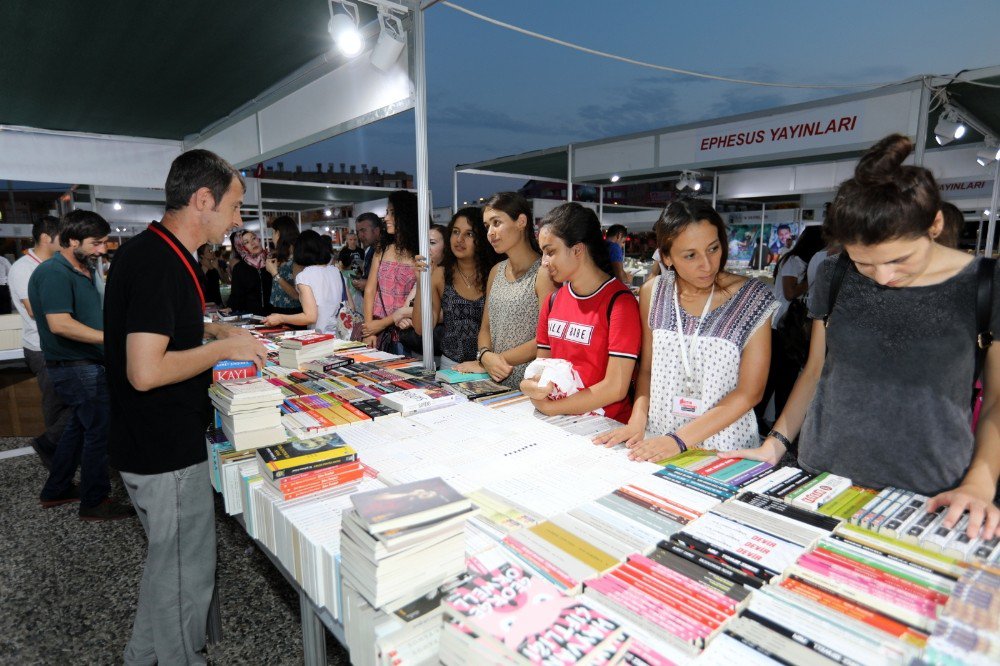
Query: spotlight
[(948, 128), (682, 182), (615, 178), (990, 155), (391, 40), (116, 205), (695, 185), (327, 212), (343, 28)]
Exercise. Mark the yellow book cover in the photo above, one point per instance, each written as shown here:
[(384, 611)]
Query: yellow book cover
[(573, 545)]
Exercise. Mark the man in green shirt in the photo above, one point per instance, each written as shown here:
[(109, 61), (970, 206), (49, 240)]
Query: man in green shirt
[(67, 308)]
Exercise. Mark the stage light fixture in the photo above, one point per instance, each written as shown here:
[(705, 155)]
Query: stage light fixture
[(391, 40), (948, 127), (116, 205), (343, 28), (615, 178), (990, 154), (327, 212)]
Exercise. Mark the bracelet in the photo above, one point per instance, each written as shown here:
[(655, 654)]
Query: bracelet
[(680, 442), (482, 352), (781, 438)]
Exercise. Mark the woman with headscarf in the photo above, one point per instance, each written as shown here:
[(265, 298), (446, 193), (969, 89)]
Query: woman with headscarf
[(251, 283)]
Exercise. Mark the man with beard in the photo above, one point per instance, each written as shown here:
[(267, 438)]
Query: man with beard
[(67, 308)]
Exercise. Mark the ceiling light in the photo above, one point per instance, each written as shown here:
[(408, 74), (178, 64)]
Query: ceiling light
[(695, 185), (327, 228), (615, 178), (391, 40), (343, 28), (116, 205), (948, 127), (327, 212), (990, 154)]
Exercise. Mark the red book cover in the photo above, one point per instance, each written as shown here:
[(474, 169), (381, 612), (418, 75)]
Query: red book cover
[(224, 370)]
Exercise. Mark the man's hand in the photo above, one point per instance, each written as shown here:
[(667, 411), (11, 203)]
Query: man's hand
[(245, 348), (223, 331)]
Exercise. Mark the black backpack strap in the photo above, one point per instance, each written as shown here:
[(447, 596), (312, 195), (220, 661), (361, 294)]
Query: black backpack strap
[(614, 297), (984, 312), (836, 280)]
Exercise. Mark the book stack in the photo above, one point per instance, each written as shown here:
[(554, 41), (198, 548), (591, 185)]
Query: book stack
[(416, 400), (903, 515), (968, 628), (296, 351), (564, 557), (404, 541), (754, 539), (511, 616), (669, 597), (452, 376), (224, 370), (300, 467), (481, 390), (735, 472), (248, 412)]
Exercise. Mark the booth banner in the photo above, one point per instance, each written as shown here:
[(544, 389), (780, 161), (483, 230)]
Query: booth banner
[(813, 131), (965, 188), (744, 241)]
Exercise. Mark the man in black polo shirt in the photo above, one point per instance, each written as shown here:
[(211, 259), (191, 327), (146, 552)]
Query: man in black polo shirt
[(67, 308), (159, 373)]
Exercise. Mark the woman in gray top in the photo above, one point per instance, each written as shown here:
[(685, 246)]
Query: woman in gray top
[(514, 292), (885, 397)]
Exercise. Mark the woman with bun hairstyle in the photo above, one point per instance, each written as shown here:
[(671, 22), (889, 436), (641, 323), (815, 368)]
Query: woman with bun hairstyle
[(706, 344), (885, 396), (592, 320), (514, 291)]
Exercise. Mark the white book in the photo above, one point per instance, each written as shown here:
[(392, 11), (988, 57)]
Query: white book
[(254, 439)]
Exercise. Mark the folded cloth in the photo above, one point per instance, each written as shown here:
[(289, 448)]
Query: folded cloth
[(560, 372)]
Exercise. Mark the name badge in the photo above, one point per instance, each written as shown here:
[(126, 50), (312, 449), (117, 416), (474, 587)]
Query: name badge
[(688, 408)]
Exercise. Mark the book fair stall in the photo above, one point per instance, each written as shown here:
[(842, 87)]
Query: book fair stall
[(430, 516)]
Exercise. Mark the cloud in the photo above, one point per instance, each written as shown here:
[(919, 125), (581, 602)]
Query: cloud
[(475, 116), (736, 102), (644, 104)]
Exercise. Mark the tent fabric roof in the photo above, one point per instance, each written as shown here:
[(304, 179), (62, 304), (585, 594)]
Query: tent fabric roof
[(158, 70), (551, 163)]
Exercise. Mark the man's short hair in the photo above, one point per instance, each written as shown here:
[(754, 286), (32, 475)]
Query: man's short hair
[(79, 225), (368, 217), (48, 225), (194, 170), (616, 230)]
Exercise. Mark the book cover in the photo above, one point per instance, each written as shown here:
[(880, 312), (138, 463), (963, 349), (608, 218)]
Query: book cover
[(303, 341), (450, 376), (408, 504), (297, 452), (224, 370)]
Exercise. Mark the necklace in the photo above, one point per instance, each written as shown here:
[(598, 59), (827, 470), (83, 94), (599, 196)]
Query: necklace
[(464, 277)]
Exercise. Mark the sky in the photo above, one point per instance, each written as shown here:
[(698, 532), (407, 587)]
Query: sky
[(492, 92)]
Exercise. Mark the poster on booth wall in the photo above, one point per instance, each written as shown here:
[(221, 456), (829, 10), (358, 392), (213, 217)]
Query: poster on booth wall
[(744, 242)]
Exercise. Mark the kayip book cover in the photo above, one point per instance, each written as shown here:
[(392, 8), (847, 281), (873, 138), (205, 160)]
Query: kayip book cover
[(419, 501), (224, 370)]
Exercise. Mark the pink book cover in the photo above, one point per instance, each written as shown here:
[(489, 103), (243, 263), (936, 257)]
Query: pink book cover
[(529, 616)]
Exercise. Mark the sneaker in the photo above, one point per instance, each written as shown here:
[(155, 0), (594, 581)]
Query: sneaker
[(71, 494), (44, 449), (107, 510)]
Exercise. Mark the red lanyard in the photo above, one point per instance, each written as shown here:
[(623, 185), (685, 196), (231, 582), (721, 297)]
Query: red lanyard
[(33, 257), (187, 264)]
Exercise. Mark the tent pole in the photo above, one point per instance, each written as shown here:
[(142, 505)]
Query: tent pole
[(923, 120), (569, 172), (299, 216), (991, 228), (715, 189), (600, 203), (979, 237), (423, 195), (760, 253), (454, 191)]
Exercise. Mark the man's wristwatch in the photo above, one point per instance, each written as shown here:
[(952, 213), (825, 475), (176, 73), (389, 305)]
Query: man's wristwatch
[(781, 438), (479, 355)]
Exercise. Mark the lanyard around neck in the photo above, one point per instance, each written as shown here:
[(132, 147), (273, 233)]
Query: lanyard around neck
[(180, 255), (685, 359), (35, 259)]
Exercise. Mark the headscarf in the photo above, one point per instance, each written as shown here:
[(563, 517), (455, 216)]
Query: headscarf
[(255, 260)]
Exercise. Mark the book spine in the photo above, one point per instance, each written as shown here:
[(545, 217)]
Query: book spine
[(310, 467)]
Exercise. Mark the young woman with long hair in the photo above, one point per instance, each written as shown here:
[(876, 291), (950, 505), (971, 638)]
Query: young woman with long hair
[(885, 396), (706, 344), (393, 272), (515, 290), (458, 286), (592, 320), (284, 297)]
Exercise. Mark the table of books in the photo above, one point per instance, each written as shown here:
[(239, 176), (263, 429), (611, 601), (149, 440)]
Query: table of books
[(576, 554)]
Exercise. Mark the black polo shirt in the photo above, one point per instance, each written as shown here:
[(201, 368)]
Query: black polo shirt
[(150, 290)]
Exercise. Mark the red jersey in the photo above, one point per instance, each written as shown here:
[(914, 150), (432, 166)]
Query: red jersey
[(587, 330)]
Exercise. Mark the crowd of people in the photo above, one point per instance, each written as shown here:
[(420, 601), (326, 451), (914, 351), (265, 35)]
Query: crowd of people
[(868, 341)]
